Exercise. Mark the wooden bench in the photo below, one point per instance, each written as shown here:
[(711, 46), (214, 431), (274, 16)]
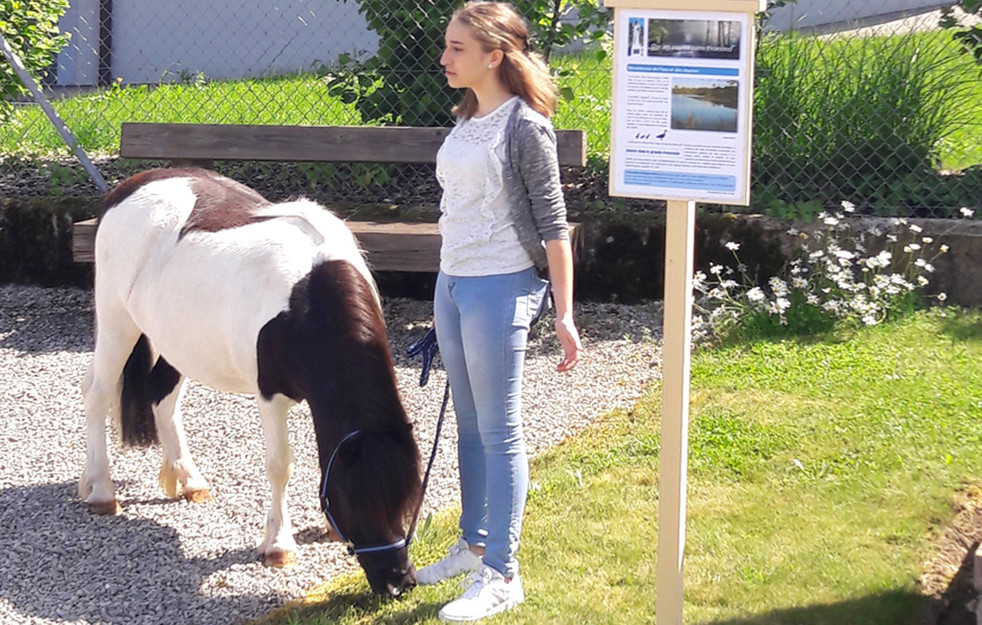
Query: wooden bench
[(392, 246)]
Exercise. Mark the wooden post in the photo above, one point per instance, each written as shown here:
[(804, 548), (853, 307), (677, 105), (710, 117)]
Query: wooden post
[(673, 460), (649, 158)]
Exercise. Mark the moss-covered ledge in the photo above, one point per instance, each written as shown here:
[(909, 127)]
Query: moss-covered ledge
[(36, 240), (621, 258)]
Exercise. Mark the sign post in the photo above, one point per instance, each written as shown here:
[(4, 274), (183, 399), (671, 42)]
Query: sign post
[(680, 131)]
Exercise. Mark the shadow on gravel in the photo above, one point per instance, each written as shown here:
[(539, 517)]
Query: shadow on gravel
[(60, 563), (37, 320)]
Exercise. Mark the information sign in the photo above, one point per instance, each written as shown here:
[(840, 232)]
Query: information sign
[(682, 121)]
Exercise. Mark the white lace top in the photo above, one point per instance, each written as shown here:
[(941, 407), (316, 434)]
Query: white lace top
[(479, 237)]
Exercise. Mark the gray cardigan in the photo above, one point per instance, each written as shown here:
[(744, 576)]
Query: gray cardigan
[(531, 181)]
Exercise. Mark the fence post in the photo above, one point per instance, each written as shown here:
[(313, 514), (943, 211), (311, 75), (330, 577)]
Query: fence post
[(56, 121)]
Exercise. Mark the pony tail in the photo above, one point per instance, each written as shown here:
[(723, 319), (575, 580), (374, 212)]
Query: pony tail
[(136, 422)]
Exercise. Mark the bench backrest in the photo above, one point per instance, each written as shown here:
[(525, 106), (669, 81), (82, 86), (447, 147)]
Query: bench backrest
[(368, 144)]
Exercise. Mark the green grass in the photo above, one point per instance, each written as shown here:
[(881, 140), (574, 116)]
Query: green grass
[(820, 473), (95, 118)]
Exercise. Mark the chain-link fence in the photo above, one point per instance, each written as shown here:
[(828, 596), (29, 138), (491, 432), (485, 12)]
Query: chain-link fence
[(875, 105)]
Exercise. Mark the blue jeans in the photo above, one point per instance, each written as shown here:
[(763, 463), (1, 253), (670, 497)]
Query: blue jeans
[(482, 326)]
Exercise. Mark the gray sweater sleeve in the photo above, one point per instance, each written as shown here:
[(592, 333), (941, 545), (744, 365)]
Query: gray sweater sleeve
[(539, 167)]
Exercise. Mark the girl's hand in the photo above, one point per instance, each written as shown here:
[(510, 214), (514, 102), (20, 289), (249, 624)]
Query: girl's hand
[(569, 338)]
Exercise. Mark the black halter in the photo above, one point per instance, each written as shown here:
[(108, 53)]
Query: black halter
[(326, 507)]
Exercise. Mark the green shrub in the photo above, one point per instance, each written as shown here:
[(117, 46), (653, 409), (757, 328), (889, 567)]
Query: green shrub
[(30, 27), (856, 117), (404, 83)]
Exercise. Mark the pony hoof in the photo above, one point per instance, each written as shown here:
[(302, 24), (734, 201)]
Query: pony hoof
[(280, 559), (200, 495), (105, 508)]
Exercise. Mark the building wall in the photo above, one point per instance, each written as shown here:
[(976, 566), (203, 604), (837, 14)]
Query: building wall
[(154, 41), (844, 14)]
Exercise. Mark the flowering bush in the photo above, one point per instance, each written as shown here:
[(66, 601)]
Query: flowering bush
[(838, 276)]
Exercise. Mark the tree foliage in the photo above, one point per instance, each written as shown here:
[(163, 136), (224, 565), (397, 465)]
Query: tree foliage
[(404, 83), (31, 29)]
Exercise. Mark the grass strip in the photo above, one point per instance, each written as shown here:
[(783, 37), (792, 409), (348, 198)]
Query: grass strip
[(821, 473)]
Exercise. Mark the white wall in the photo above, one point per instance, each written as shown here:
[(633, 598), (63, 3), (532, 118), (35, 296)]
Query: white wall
[(844, 13), (78, 64), (158, 41)]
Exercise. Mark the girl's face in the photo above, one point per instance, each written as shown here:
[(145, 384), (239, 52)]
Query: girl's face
[(464, 61)]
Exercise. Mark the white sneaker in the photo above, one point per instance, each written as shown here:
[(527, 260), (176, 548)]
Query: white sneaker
[(460, 559), (488, 595)]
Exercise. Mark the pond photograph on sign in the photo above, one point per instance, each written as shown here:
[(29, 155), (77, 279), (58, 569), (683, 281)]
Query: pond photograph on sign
[(681, 107), (710, 105)]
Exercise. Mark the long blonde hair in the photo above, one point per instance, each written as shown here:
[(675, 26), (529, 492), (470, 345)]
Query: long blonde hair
[(498, 26)]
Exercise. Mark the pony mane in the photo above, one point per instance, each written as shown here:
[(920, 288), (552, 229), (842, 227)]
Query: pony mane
[(364, 395)]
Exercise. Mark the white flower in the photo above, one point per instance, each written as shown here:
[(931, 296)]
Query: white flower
[(915, 228), (927, 240), (830, 220), (921, 281), (966, 211), (716, 269), (730, 245), (778, 306), (848, 206), (869, 319), (778, 285), (756, 294), (792, 231), (799, 283), (944, 248), (942, 297), (892, 238)]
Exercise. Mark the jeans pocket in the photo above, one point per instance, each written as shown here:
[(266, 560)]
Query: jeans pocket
[(533, 302)]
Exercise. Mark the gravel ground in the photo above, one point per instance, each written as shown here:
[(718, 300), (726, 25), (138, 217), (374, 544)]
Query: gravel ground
[(164, 561)]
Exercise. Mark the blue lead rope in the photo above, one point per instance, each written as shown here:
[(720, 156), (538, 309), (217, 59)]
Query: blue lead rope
[(428, 348)]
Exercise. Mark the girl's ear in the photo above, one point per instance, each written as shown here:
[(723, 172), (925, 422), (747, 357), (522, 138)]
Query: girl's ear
[(496, 56)]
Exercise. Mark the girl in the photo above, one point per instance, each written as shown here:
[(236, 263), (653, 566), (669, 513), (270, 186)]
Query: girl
[(503, 222)]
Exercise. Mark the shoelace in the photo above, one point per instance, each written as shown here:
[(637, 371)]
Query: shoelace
[(478, 579)]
